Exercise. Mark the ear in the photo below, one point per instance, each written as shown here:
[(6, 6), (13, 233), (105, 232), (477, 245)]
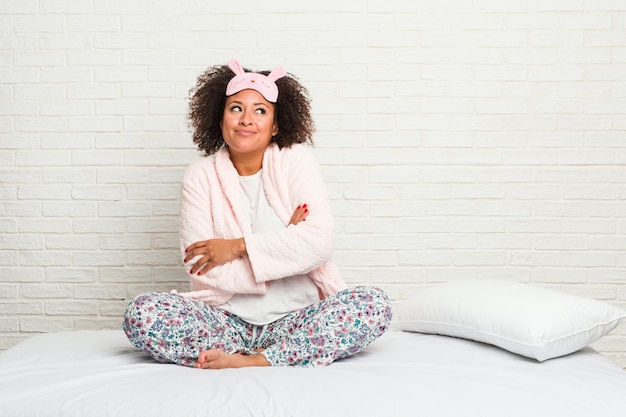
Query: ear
[(235, 66), (274, 129), (278, 72)]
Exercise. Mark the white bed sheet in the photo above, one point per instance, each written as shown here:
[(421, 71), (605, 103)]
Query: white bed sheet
[(98, 373)]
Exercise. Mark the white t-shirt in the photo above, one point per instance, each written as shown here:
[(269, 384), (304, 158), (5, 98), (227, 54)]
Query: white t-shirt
[(283, 295)]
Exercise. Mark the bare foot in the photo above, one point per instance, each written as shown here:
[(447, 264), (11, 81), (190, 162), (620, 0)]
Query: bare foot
[(216, 359)]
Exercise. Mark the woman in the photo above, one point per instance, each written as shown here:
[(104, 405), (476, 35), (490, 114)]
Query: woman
[(256, 235)]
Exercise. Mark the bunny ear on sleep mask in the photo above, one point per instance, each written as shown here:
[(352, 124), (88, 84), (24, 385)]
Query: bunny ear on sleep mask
[(264, 84)]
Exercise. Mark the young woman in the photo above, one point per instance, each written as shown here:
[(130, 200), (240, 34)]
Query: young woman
[(257, 235)]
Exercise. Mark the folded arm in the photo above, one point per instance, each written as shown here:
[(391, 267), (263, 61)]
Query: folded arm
[(197, 228), (215, 252), (243, 264), (306, 246)]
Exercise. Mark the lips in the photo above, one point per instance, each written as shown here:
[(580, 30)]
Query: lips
[(245, 132)]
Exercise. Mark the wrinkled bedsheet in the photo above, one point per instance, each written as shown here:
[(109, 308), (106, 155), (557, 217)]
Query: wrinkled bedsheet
[(98, 373)]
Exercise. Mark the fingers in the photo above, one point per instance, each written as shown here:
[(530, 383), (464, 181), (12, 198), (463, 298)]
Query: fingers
[(195, 246), (201, 268), (202, 265), (213, 252), (299, 214), (198, 268), (192, 250), (199, 249), (195, 250), (203, 260)]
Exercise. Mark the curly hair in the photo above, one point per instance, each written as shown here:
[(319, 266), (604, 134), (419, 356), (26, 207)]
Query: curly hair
[(292, 110)]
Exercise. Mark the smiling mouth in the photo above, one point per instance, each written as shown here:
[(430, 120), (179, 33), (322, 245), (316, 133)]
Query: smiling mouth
[(245, 132)]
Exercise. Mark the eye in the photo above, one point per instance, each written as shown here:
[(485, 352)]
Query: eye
[(260, 110), (235, 108)]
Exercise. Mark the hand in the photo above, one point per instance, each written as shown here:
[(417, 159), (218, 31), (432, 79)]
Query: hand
[(214, 252), (299, 214)]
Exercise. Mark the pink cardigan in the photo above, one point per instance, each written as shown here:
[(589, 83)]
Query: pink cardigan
[(210, 207)]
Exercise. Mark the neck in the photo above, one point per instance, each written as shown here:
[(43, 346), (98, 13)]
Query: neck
[(247, 164)]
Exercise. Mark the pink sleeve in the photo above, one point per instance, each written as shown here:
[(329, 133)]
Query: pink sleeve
[(296, 179), (197, 205)]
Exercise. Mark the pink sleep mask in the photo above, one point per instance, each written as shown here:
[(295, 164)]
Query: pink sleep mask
[(264, 84)]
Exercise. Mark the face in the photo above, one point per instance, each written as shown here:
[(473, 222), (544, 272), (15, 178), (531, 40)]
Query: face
[(248, 124)]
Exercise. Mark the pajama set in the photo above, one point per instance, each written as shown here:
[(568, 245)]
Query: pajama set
[(267, 302)]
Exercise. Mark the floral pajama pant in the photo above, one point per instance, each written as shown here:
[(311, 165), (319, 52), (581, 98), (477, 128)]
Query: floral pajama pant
[(174, 329)]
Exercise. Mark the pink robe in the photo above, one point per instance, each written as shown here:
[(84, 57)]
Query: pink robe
[(211, 206)]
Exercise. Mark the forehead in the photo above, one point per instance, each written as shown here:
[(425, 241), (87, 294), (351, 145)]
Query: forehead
[(249, 97)]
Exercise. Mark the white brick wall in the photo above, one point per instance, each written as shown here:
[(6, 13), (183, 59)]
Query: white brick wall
[(458, 139)]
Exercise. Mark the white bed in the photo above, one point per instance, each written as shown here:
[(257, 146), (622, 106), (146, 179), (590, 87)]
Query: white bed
[(98, 373), (518, 350)]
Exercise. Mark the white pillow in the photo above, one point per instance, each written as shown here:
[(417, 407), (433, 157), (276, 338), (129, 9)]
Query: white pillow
[(531, 321)]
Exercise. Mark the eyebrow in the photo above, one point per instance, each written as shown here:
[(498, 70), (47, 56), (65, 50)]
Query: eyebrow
[(254, 104)]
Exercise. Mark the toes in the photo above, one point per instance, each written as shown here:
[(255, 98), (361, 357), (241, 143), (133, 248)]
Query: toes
[(209, 359)]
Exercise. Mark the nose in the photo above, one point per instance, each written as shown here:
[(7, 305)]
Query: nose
[(244, 119)]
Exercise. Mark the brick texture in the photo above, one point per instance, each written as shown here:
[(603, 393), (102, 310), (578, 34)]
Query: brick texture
[(458, 139)]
